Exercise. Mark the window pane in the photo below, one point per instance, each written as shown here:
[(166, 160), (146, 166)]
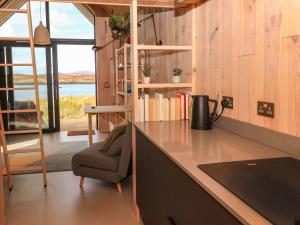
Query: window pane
[(76, 85), (66, 21), (23, 78), (17, 26)]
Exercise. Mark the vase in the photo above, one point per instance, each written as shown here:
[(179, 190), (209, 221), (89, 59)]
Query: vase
[(176, 79), (147, 80)]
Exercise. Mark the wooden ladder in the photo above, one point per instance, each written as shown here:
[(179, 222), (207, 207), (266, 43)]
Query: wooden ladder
[(3, 133)]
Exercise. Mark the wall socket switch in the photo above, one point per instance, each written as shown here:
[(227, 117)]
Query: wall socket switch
[(266, 109), (227, 102)]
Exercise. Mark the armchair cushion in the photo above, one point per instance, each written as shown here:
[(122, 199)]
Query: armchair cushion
[(93, 158), (114, 134), (116, 146)]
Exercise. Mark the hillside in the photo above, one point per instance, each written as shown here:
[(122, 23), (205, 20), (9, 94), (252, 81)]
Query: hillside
[(72, 78)]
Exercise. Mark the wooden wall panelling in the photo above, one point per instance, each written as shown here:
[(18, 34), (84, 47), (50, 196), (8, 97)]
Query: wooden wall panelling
[(245, 84), (290, 18), (290, 86), (202, 62), (104, 65), (267, 58), (247, 26), (259, 58), (229, 52)]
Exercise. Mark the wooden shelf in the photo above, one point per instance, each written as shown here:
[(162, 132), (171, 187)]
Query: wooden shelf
[(123, 93), (166, 85), (187, 3), (165, 47)]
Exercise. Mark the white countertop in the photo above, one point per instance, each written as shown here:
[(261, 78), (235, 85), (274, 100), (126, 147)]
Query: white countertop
[(106, 109), (188, 148)]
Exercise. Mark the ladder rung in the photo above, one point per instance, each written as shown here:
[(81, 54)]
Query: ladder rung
[(21, 131), (14, 10), (29, 150), (29, 169), (18, 111), (14, 39), (17, 64), (17, 89)]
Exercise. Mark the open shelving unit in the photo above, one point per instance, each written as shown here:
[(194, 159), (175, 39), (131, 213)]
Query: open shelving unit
[(137, 87)]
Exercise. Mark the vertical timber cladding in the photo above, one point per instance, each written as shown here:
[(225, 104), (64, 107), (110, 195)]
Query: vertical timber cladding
[(254, 56), (105, 71)]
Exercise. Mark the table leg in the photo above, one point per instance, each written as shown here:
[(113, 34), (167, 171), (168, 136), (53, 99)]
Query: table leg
[(90, 130)]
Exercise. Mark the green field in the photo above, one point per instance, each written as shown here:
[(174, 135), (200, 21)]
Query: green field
[(71, 107)]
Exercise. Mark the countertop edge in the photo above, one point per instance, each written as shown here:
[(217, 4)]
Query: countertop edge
[(244, 213)]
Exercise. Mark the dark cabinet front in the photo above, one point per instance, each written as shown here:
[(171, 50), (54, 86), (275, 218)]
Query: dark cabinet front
[(167, 195)]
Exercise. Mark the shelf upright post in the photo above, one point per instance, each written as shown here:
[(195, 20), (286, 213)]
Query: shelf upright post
[(117, 76), (134, 88)]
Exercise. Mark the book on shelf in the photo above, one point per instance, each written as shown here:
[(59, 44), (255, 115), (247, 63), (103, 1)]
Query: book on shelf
[(160, 108)]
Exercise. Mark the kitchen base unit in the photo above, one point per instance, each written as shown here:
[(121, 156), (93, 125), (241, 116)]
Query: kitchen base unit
[(166, 195)]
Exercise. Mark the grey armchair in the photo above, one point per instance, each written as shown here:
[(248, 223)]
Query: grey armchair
[(93, 163)]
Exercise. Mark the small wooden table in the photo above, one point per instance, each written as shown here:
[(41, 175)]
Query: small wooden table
[(97, 110)]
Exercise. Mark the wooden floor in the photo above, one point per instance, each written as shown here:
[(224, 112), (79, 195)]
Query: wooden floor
[(64, 203)]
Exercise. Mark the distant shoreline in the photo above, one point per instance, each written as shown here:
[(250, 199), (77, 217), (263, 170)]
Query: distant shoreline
[(22, 79)]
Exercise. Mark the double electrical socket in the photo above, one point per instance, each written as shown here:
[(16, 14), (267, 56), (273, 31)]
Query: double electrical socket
[(266, 109)]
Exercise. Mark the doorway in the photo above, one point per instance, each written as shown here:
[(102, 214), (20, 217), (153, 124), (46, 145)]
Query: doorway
[(74, 85)]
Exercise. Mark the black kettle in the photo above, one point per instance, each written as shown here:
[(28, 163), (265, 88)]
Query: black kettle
[(202, 119)]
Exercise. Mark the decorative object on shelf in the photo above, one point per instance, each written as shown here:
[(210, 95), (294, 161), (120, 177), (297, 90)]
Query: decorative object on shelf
[(120, 27), (176, 78), (147, 71), (41, 33)]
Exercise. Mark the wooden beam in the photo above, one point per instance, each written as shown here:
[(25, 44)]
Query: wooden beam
[(141, 3)]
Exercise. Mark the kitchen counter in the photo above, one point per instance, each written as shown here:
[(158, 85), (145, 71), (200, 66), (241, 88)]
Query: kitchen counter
[(188, 148)]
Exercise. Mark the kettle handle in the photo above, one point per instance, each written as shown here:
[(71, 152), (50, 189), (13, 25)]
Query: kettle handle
[(214, 114)]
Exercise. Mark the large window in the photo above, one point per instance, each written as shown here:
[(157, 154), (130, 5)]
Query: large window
[(66, 69), (66, 21), (17, 25)]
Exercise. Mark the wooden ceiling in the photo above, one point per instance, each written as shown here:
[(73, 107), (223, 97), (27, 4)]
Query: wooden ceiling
[(141, 3)]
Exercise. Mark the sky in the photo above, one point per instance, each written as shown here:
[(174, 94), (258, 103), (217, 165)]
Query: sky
[(65, 22)]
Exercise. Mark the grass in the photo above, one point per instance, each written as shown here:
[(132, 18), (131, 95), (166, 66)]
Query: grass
[(71, 107)]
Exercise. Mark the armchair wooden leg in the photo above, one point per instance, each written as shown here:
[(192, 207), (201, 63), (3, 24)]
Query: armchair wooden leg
[(81, 181), (119, 187)]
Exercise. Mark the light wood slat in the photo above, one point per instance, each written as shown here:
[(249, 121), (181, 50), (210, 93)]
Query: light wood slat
[(29, 150), (17, 89), (21, 131), (28, 169), (16, 64), (166, 85), (14, 39), (19, 111), (13, 10), (165, 47)]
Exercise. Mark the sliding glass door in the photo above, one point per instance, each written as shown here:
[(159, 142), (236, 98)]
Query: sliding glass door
[(75, 84), (22, 77)]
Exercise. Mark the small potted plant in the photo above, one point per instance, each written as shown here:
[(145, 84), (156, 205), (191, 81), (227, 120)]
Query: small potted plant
[(116, 24), (176, 75), (146, 71), (120, 27)]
